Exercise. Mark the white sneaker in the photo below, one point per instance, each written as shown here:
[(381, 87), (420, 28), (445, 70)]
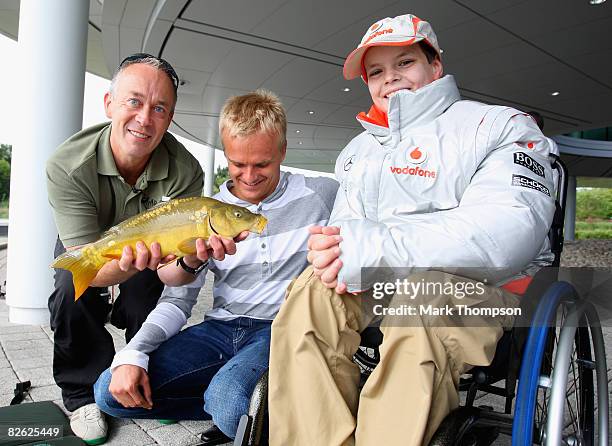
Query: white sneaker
[(88, 423)]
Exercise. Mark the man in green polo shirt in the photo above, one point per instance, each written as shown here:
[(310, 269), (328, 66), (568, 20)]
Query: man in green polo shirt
[(96, 179)]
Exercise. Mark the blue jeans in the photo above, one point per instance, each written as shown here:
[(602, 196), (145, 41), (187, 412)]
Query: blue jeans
[(206, 371)]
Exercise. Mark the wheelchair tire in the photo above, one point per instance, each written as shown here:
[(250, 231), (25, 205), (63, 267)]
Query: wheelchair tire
[(541, 374)]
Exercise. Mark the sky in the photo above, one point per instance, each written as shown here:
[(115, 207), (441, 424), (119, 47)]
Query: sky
[(93, 105), (94, 92)]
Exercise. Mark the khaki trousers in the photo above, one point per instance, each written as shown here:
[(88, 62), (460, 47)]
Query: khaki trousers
[(313, 389)]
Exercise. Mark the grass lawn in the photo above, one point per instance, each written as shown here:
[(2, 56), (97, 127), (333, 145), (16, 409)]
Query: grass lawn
[(593, 228)]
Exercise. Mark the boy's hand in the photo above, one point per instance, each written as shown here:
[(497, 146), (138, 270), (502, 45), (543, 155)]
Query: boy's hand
[(130, 386), (324, 253)]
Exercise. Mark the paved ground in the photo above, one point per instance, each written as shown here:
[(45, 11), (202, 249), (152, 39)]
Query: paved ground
[(26, 354)]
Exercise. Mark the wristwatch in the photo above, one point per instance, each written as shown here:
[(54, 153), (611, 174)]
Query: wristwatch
[(189, 269)]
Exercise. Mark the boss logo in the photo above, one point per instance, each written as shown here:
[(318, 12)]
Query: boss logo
[(522, 159)]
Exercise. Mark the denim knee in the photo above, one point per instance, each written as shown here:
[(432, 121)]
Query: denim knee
[(104, 400), (226, 403)]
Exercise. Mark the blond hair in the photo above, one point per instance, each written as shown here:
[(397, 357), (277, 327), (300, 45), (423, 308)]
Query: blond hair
[(258, 111)]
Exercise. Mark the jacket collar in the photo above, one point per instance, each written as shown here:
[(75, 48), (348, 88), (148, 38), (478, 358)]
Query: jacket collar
[(408, 109)]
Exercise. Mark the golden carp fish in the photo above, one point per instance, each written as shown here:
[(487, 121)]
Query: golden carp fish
[(175, 224)]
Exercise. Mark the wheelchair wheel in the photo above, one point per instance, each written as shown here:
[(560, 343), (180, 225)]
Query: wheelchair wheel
[(555, 398), (573, 367), (578, 390)]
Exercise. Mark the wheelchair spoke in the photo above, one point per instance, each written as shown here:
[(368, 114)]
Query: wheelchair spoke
[(573, 385), (575, 432), (573, 422), (576, 427)]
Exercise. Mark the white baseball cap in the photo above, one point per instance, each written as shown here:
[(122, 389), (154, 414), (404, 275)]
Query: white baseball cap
[(402, 30)]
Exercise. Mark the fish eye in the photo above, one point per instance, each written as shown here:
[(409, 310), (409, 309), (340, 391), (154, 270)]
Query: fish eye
[(237, 214)]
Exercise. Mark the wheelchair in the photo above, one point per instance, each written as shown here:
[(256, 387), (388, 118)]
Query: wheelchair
[(551, 369)]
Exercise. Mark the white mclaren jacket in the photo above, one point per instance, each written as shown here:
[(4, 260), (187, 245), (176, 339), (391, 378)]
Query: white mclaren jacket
[(450, 184)]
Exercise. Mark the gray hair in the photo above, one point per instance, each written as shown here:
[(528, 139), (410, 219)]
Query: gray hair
[(146, 59)]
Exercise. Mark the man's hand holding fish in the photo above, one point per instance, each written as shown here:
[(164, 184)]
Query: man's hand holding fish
[(215, 247)]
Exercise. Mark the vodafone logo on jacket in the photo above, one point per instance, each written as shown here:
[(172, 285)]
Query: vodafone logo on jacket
[(414, 171), (416, 155)]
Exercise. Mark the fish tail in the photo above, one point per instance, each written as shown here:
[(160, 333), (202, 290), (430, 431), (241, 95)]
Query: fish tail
[(83, 268)]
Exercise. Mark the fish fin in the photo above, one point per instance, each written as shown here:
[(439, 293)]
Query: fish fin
[(83, 271), (159, 224), (165, 213), (188, 246), (159, 205), (128, 223), (112, 231)]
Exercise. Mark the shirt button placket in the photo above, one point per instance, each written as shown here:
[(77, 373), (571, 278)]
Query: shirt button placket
[(265, 266)]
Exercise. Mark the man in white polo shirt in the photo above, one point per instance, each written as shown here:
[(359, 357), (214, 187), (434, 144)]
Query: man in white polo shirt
[(210, 369)]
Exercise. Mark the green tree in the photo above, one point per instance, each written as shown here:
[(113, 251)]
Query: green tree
[(5, 179), (5, 152), (5, 171), (220, 176)]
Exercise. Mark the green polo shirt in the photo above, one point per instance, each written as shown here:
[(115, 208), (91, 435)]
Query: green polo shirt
[(88, 195)]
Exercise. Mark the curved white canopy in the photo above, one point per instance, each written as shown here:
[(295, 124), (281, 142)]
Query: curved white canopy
[(513, 52)]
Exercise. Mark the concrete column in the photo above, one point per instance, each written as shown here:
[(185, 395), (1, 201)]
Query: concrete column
[(569, 227), (52, 48), (209, 171)]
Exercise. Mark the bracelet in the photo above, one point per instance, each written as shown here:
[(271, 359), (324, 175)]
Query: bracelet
[(189, 269)]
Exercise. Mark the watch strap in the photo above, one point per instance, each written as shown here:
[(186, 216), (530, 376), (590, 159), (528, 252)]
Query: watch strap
[(189, 269)]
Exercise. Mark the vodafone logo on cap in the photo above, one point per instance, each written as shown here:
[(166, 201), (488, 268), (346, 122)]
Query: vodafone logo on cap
[(416, 155), (377, 34), (376, 26)]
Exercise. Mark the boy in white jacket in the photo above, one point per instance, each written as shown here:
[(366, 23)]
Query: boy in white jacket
[(433, 187)]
